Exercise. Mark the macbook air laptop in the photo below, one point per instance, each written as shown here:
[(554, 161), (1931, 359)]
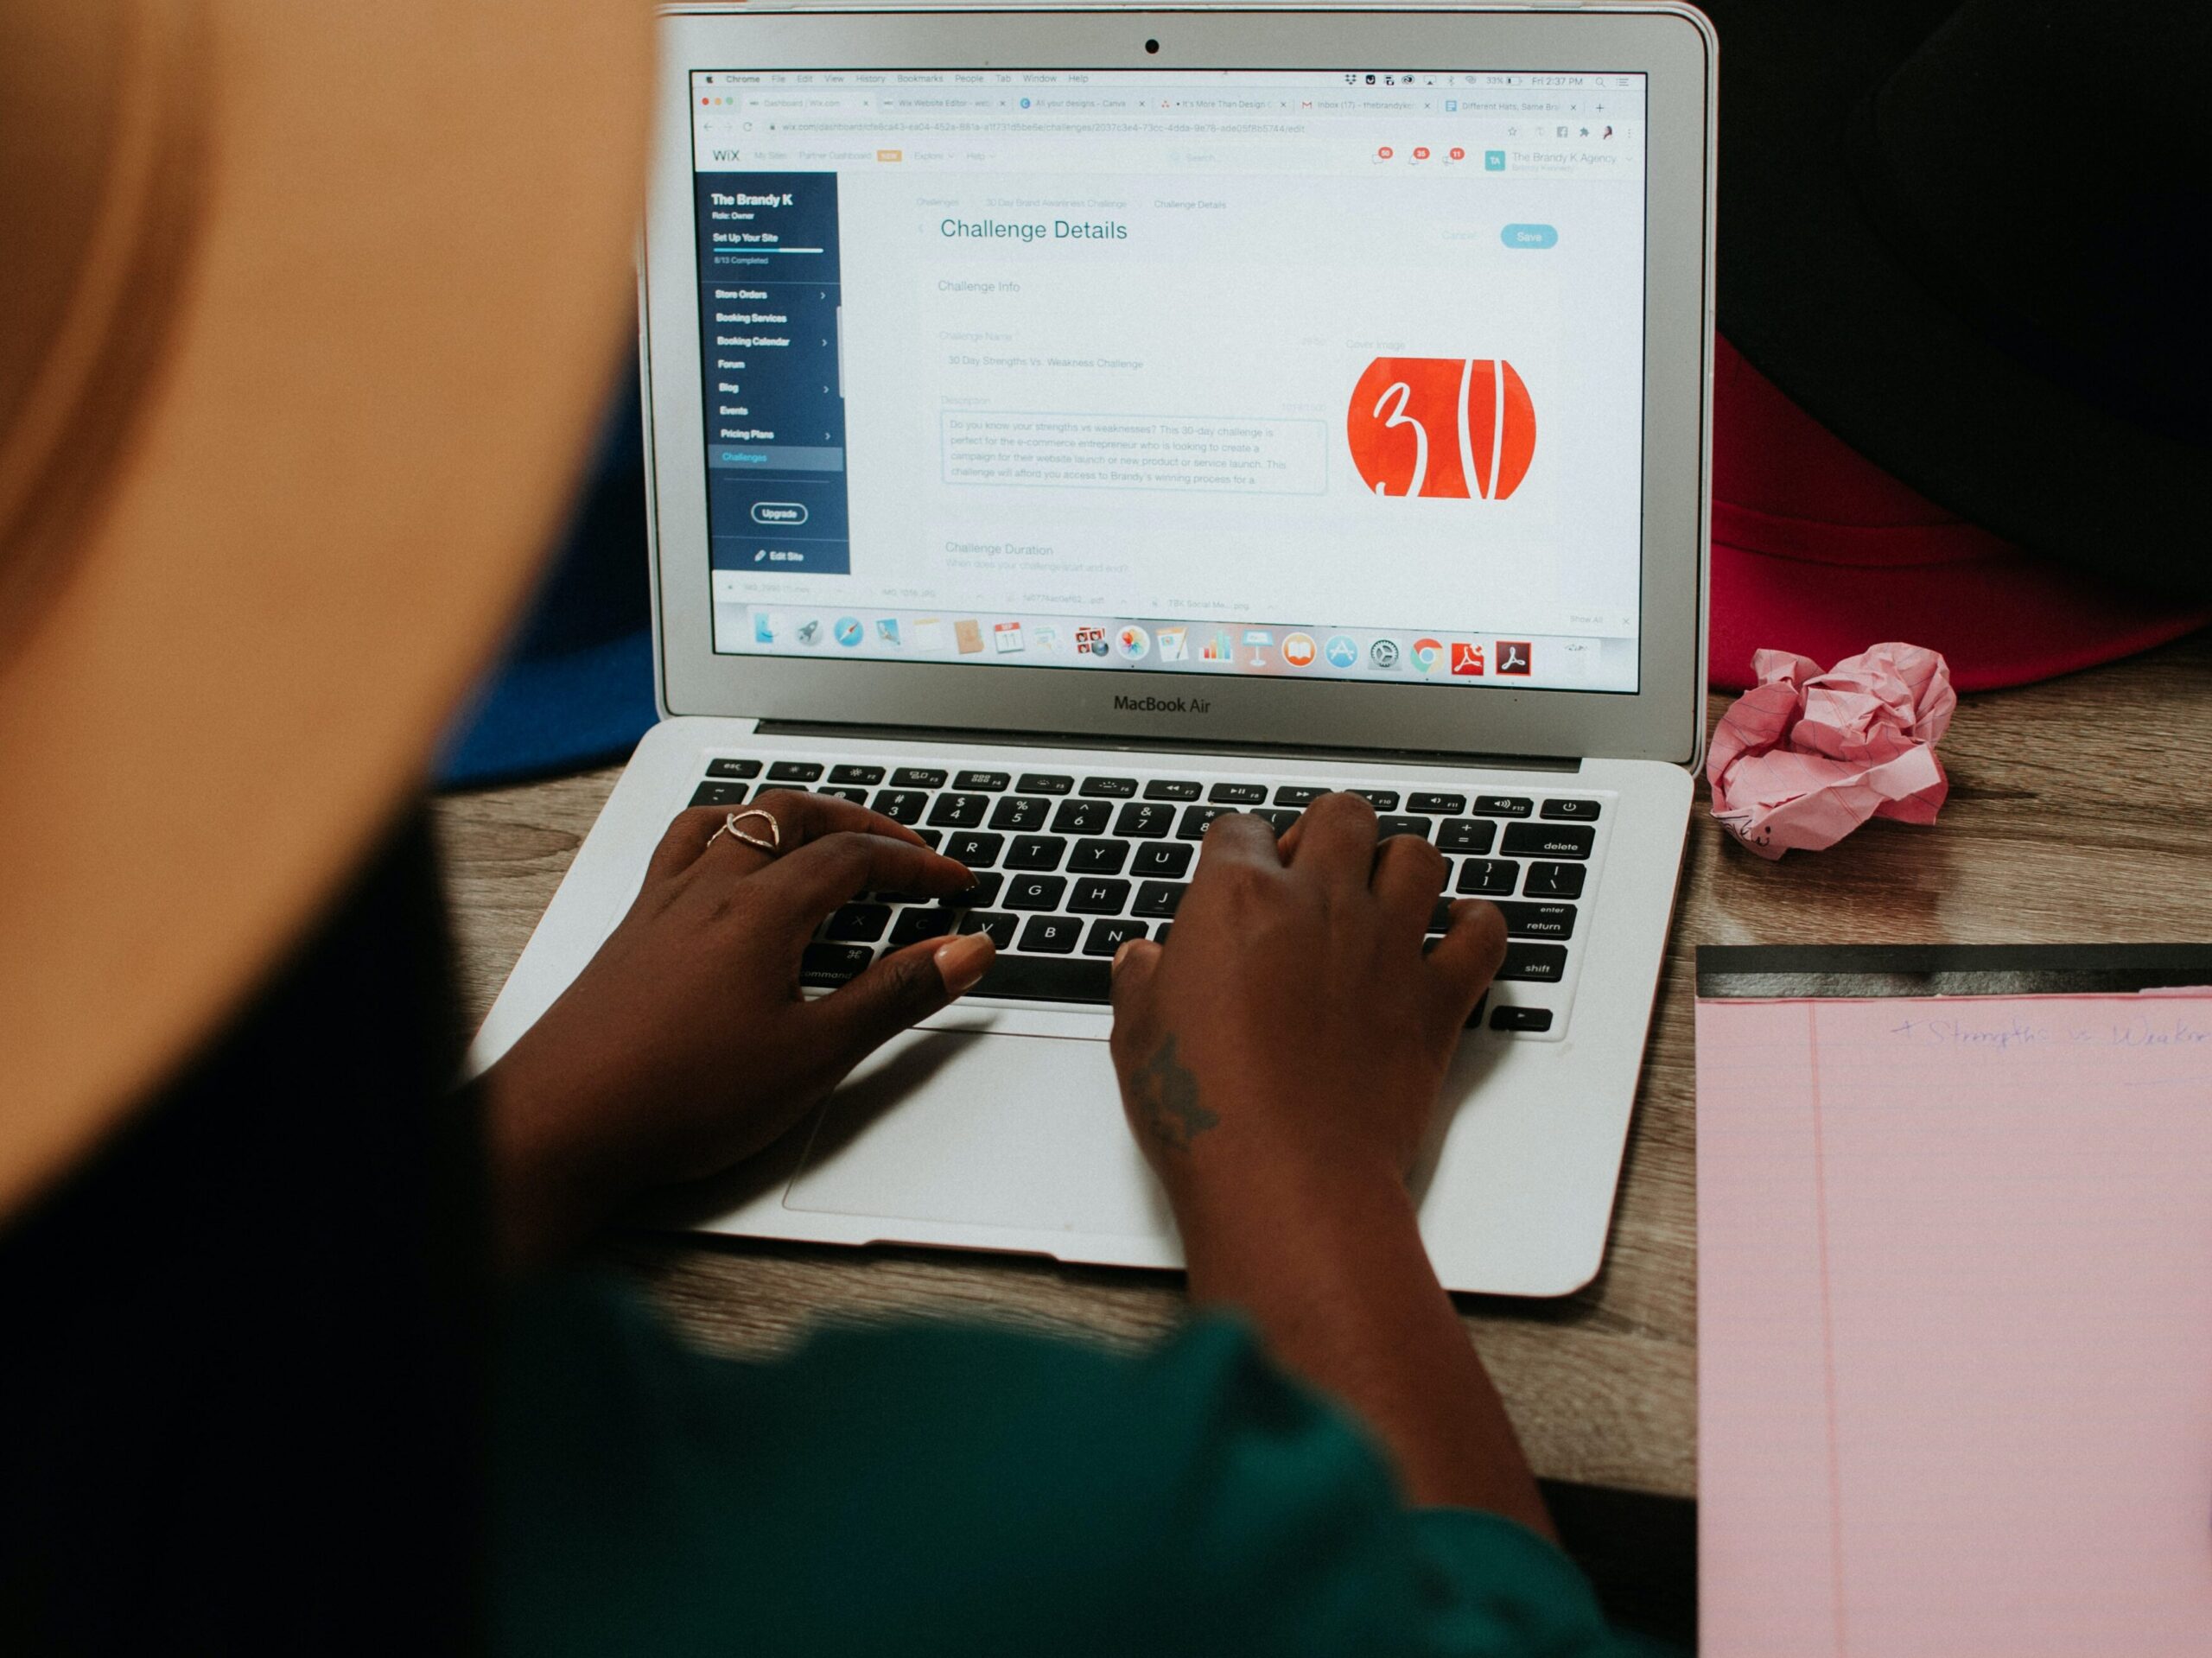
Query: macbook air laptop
[(1066, 426)]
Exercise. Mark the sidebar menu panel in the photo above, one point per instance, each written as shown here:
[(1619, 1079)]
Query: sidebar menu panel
[(768, 322)]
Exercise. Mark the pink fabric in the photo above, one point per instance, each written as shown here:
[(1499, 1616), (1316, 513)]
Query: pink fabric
[(1816, 550), (1805, 757)]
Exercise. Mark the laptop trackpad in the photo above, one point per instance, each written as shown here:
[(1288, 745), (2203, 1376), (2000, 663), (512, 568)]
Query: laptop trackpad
[(1000, 1131)]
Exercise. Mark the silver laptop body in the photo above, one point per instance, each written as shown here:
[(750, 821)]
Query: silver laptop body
[(1066, 425)]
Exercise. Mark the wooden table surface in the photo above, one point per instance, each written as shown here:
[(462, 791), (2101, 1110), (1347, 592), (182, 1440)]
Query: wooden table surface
[(2081, 811)]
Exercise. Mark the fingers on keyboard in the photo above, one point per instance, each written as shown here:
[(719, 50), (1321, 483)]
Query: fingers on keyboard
[(1071, 866)]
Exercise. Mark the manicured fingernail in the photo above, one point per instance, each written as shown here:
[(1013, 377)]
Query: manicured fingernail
[(1122, 956), (960, 961)]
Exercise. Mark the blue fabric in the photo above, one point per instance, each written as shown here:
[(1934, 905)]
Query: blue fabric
[(574, 688), (540, 716)]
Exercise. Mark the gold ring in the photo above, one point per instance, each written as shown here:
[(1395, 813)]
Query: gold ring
[(771, 846)]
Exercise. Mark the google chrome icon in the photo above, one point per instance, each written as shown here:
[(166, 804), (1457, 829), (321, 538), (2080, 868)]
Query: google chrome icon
[(1426, 654)]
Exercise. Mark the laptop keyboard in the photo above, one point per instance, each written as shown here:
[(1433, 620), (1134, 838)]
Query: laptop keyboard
[(1071, 864)]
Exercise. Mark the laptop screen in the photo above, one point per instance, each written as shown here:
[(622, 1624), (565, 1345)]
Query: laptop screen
[(1321, 375)]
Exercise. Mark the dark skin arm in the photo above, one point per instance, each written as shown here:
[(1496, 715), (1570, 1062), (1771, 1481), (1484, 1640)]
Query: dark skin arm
[(1281, 1058)]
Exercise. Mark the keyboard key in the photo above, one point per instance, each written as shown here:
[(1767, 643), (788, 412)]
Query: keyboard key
[(1144, 819), (900, 805), (998, 925), (1035, 891), (1538, 920), (1056, 933), (1383, 800), (1041, 978), (1238, 794), (1488, 877), (1164, 859), (1109, 788), (734, 768), (1298, 794), (1387, 826), (718, 794), (980, 896), (857, 923), (1099, 895), (1466, 835), (933, 839), (1035, 852), (1439, 918), (921, 922), (1549, 840), (1082, 817), (975, 850), (959, 811), (835, 790), (795, 772), (1502, 806), (1021, 812), (1579, 811), (865, 776), (1554, 881), (1278, 818), (1521, 1018), (990, 782), (1107, 936), (1476, 1018), (1158, 898), (1436, 805), (1195, 819), (917, 777), (1044, 783), (1169, 789), (1537, 963), (1101, 857), (1165, 927), (826, 965)]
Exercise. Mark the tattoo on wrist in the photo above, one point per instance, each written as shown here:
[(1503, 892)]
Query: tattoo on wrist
[(1167, 1099)]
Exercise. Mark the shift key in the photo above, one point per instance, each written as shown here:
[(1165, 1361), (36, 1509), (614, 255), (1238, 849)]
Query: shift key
[(1538, 963)]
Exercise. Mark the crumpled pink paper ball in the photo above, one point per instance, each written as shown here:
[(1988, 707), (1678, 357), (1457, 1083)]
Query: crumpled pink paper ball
[(1804, 757)]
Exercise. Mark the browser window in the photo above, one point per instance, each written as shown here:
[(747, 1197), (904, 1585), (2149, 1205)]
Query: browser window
[(1312, 374)]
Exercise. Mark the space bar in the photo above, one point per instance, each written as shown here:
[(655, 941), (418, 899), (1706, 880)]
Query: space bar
[(1041, 978)]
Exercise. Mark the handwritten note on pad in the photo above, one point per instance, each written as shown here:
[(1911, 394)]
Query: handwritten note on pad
[(1955, 1291)]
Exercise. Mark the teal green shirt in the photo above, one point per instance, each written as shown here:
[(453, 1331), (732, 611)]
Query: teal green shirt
[(938, 1489)]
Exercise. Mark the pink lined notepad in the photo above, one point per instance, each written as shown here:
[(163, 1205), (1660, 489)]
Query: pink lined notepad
[(1954, 1327)]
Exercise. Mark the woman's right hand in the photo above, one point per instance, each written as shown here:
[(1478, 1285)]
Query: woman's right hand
[(1281, 1058), (1292, 1032)]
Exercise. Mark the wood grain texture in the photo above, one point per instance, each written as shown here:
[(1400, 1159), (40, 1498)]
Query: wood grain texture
[(2081, 811)]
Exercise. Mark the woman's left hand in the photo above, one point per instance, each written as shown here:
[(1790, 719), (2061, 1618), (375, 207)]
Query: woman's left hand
[(684, 1046)]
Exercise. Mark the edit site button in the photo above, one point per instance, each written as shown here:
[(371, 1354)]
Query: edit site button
[(1529, 236)]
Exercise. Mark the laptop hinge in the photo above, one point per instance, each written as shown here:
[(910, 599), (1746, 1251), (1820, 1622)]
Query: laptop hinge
[(972, 736)]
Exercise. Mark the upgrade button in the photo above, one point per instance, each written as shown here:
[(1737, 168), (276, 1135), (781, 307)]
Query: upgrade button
[(1529, 236), (778, 512)]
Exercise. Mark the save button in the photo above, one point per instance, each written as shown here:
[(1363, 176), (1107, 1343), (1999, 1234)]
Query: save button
[(1529, 236)]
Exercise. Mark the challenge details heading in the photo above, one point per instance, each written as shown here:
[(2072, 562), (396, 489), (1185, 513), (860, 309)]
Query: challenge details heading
[(1060, 229)]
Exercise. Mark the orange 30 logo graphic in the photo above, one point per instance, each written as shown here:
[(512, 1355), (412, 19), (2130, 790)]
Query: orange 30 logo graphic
[(1442, 426)]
